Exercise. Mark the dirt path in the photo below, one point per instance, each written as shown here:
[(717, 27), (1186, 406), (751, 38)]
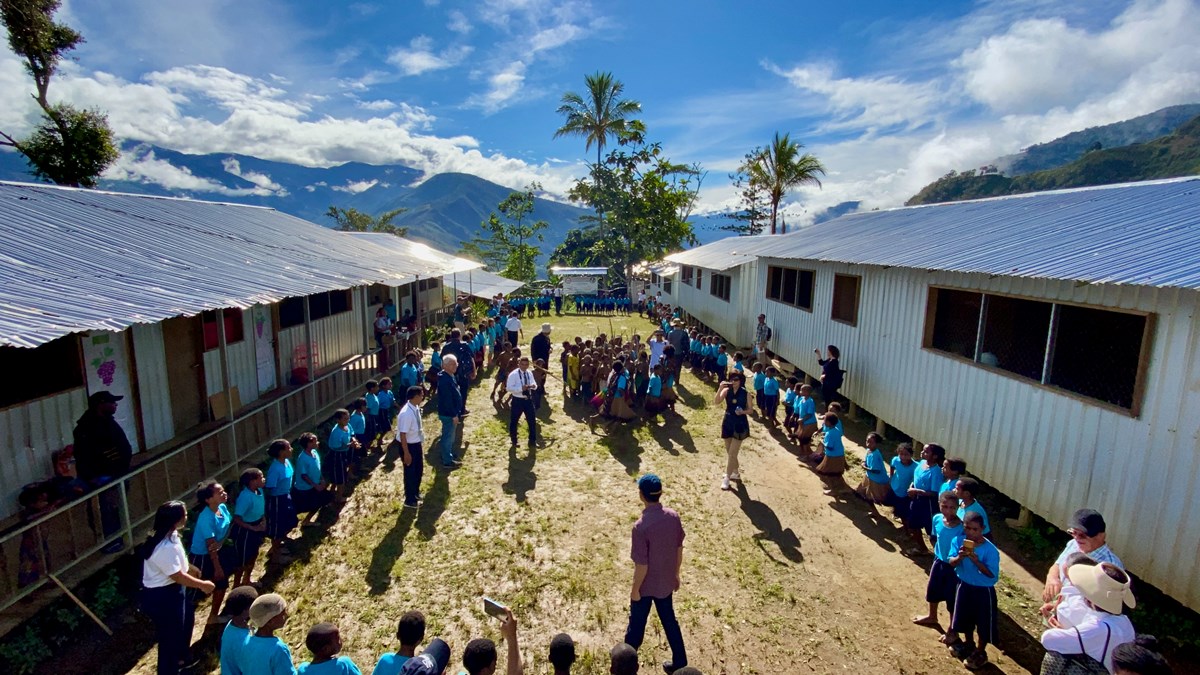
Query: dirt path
[(778, 576)]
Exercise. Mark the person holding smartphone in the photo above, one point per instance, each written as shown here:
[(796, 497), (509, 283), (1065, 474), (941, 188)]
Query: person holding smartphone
[(735, 428)]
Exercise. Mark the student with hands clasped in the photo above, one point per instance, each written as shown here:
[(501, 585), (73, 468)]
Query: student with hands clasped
[(977, 563)]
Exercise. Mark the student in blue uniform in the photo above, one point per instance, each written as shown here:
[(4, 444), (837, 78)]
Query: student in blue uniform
[(903, 468), (208, 551), (435, 367), (952, 468), (874, 486), (806, 416), (387, 402), (771, 396), (923, 495), (371, 412), (360, 425), (833, 463), (249, 524), (758, 383), (655, 403), (410, 632), (265, 654), (309, 489), (943, 579), (966, 489), (324, 641), (341, 445), (977, 562), (281, 512), (722, 362), (237, 632)]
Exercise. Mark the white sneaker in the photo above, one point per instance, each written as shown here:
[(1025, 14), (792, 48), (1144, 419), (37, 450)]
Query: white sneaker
[(725, 482), (735, 476)]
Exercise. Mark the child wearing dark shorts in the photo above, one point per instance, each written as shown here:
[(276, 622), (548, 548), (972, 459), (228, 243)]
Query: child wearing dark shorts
[(249, 524), (977, 562), (943, 580)]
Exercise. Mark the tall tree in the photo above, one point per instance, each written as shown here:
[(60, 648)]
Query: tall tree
[(780, 167), (599, 113), (506, 246), (70, 146), (754, 209), (644, 200), (353, 220)]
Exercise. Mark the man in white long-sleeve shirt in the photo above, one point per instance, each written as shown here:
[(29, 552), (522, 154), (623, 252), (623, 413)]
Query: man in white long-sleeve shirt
[(521, 385)]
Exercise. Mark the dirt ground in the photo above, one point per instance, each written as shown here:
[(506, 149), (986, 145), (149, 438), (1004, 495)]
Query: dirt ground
[(778, 576)]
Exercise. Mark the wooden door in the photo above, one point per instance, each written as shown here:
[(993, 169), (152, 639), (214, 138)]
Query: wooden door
[(185, 371)]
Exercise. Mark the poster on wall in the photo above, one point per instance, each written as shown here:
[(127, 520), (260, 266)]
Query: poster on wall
[(580, 285), (264, 348), (107, 365)]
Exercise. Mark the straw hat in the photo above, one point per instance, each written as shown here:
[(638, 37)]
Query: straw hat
[(1100, 587)]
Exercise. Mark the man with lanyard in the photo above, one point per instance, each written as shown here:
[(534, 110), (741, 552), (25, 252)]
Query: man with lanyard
[(521, 386), (410, 437), (102, 455), (762, 336), (558, 300)]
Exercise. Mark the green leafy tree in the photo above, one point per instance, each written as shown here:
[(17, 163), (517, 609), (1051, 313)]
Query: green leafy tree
[(505, 244), (353, 220), (599, 113), (70, 146), (780, 167), (644, 201), (754, 208)]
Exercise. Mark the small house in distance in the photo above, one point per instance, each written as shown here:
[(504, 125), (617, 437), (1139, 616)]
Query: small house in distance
[(1050, 339)]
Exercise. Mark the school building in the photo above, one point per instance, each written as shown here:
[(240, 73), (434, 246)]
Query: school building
[(224, 326), (1052, 340)]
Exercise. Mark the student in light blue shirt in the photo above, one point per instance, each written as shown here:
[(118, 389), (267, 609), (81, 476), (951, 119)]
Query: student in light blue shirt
[(237, 632), (309, 493), (757, 383), (903, 469), (408, 372), (281, 512), (874, 486), (977, 563), (410, 633), (324, 641), (966, 489), (833, 463), (943, 579), (341, 445), (208, 551), (738, 357), (771, 395), (249, 524), (952, 468), (655, 403), (264, 653), (387, 401), (806, 413)]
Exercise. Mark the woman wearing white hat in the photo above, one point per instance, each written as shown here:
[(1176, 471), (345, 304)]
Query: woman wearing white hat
[(1088, 646)]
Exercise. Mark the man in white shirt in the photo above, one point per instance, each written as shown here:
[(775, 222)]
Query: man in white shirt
[(641, 300), (558, 300), (513, 327), (522, 386), (410, 436)]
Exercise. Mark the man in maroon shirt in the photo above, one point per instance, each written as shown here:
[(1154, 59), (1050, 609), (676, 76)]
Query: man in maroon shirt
[(657, 554)]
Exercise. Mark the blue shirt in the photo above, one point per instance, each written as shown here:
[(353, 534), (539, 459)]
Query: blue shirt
[(789, 399), (408, 375), (943, 546), (987, 553), (266, 656), (655, 387), (737, 365), (806, 408), (308, 465), (435, 360), (622, 383), (833, 442), (760, 380), (722, 360), (977, 508), (250, 506), (387, 399), (876, 469), (927, 477), (279, 478), (902, 477), (771, 387), (358, 421), (948, 485), (372, 403), (210, 525), (233, 641), (390, 664), (339, 439), (342, 665)]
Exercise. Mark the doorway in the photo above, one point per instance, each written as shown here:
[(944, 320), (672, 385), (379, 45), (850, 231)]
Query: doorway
[(185, 371)]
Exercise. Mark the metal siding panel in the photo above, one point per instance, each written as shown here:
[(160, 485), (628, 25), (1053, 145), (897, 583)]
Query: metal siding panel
[(32, 432), (154, 392)]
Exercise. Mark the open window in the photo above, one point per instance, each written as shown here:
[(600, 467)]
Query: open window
[(845, 299), (43, 371), (720, 285)]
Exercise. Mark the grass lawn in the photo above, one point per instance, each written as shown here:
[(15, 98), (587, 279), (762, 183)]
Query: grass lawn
[(778, 576)]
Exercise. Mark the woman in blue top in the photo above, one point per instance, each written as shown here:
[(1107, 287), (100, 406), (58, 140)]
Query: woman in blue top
[(923, 495), (735, 426), (208, 552), (309, 491), (874, 486), (281, 513), (834, 461), (249, 524)]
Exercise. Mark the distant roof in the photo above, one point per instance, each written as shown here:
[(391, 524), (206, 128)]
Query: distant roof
[(73, 260), (580, 271), (722, 254), (483, 284), (1144, 234), (413, 257)]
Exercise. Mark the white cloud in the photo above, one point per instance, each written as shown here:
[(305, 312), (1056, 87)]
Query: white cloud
[(355, 187), (865, 103), (141, 166), (262, 180), (554, 37), (377, 105), (419, 57), (503, 87), (458, 22)]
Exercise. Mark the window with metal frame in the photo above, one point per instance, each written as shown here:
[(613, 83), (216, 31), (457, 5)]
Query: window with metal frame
[(845, 299), (791, 286), (235, 328)]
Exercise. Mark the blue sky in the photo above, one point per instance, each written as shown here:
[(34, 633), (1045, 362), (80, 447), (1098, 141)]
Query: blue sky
[(888, 94)]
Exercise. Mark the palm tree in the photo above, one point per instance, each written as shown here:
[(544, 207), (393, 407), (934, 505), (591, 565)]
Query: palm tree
[(602, 113), (780, 167)]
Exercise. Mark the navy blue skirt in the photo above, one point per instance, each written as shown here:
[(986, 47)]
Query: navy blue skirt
[(281, 516), (246, 543)]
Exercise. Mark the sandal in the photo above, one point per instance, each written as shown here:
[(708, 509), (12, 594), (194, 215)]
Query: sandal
[(961, 649), (976, 661)]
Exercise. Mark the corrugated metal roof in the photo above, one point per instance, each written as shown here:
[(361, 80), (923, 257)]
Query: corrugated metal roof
[(412, 257), (74, 260), (722, 254), (483, 284), (1145, 234)]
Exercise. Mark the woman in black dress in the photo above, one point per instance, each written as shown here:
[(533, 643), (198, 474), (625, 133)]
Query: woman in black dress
[(735, 427), (831, 374)]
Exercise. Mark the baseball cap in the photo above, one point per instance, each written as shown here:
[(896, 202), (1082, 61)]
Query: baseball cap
[(103, 397), (266, 607), (650, 485), (431, 661), (1088, 521)]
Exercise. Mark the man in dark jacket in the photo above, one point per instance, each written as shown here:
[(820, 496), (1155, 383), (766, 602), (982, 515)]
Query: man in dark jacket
[(466, 362), (541, 346), (450, 408), (103, 454)]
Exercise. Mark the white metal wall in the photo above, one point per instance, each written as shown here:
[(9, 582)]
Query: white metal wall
[(154, 391), (732, 320), (243, 365), (30, 432), (337, 337), (1049, 451)]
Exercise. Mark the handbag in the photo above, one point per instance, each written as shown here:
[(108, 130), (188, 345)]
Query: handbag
[(1055, 663)]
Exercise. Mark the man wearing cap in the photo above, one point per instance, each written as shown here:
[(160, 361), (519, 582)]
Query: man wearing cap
[(540, 346), (431, 661), (103, 454), (522, 385), (762, 337), (657, 553), (1087, 530)]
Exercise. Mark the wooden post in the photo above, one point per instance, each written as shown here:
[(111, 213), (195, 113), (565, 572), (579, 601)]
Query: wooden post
[(82, 606), (853, 410), (880, 426)]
